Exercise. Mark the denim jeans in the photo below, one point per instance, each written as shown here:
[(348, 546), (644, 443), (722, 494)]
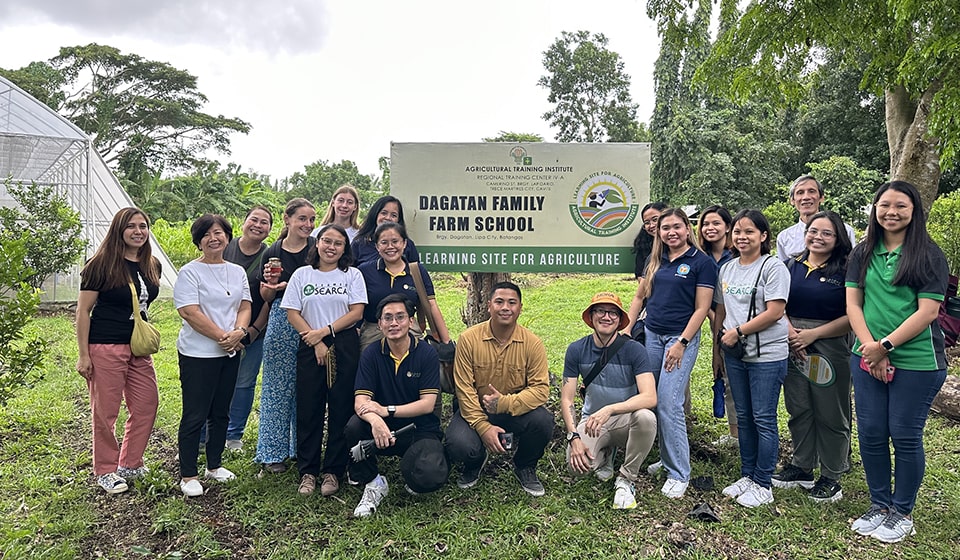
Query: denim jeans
[(895, 411), (243, 393), (756, 394), (242, 403), (671, 392)]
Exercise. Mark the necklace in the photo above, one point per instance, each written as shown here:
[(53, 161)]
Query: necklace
[(215, 277)]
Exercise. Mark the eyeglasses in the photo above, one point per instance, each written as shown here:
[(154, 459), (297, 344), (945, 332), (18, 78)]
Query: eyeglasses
[(332, 242), (824, 233), (610, 312), (652, 221), (388, 242), (399, 317)]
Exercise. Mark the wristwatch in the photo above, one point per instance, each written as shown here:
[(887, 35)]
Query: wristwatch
[(887, 345), (684, 341), (391, 410), (572, 436)]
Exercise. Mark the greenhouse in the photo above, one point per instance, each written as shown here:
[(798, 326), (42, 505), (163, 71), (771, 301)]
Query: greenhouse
[(37, 145)]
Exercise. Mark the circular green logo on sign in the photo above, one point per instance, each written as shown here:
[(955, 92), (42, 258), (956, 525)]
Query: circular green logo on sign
[(604, 204)]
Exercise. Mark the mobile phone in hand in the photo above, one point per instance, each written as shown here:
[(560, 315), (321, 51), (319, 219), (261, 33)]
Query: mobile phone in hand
[(506, 440), (890, 369)]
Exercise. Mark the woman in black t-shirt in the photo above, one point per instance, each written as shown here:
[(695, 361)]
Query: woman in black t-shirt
[(104, 327)]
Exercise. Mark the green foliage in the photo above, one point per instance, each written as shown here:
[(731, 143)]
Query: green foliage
[(781, 215), (209, 188), (176, 241), (589, 90), (320, 179), (944, 227), (516, 137), (19, 355), (141, 114), (849, 188), (49, 227)]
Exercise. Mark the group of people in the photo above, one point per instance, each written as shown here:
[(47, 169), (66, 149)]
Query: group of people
[(335, 316)]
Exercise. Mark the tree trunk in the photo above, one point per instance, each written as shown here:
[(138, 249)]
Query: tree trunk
[(914, 155), (947, 401), (478, 292)]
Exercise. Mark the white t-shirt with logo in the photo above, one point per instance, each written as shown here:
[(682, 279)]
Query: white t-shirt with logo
[(323, 297)]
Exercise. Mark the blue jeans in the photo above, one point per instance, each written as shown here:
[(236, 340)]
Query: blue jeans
[(242, 402), (756, 393), (243, 393), (671, 392), (894, 411)]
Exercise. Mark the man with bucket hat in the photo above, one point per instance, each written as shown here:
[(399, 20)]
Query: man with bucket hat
[(618, 392), (398, 382)]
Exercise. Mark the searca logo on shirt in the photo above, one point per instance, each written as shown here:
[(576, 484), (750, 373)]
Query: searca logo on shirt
[(338, 288), (683, 270)]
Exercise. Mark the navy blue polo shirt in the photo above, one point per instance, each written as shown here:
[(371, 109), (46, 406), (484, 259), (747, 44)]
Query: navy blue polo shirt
[(675, 285), (365, 250), (383, 380), (380, 284), (813, 295)]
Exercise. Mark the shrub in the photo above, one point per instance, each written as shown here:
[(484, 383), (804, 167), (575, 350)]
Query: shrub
[(944, 227), (19, 356)]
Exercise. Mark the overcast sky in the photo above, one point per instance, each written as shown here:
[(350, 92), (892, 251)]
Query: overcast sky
[(341, 79)]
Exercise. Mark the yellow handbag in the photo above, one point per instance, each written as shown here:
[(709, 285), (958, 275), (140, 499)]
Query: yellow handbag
[(145, 339)]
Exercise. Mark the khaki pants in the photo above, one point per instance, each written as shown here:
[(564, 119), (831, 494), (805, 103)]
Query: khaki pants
[(634, 431)]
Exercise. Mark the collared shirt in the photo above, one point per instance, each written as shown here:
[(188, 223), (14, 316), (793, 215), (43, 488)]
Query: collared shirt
[(886, 307), (791, 241), (813, 295), (365, 250), (674, 296), (388, 381), (380, 283), (519, 371)]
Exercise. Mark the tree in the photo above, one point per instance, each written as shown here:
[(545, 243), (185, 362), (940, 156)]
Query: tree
[(320, 179), (515, 137), (943, 224), (911, 54), (849, 187), (19, 355), (139, 113), (589, 89), (48, 226)]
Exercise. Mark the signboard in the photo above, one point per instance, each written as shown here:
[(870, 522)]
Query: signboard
[(536, 207)]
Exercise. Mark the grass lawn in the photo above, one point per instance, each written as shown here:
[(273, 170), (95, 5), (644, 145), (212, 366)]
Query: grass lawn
[(51, 508)]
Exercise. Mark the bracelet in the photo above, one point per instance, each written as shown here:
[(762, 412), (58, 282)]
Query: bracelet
[(243, 330), (332, 332), (739, 331)]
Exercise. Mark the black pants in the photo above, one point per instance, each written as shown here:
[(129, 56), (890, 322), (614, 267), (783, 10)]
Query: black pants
[(358, 429), (206, 386), (313, 400), (531, 434)]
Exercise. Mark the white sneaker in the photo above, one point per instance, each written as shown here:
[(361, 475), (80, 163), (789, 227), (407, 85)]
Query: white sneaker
[(755, 496), (674, 488), (220, 475), (605, 471), (624, 496), (373, 494), (737, 488), (191, 488), (653, 469), (234, 445)]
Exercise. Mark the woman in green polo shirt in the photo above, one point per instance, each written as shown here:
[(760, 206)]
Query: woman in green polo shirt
[(895, 282)]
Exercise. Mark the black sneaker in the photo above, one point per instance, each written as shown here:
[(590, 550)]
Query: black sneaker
[(471, 475), (792, 476), (529, 481), (826, 490)]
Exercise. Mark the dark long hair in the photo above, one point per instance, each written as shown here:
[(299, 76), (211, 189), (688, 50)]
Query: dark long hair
[(345, 260), (724, 214), (643, 242), (762, 224), (837, 263), (915, 265), (107, 268), (370, 220)]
